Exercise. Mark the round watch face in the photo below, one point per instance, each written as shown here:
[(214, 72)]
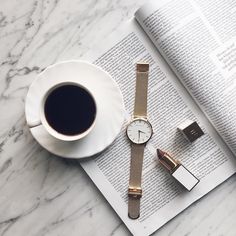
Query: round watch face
[(139, 131)]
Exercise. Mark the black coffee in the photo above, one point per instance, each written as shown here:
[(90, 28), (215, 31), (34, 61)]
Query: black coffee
[(70, 110)]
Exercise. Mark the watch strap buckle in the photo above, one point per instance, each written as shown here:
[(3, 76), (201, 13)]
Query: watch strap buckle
[(135, 192)]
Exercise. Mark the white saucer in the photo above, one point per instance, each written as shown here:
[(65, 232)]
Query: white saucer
[(110, 108)]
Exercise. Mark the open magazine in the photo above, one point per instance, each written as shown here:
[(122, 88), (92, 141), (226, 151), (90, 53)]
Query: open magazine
[(191, 48)]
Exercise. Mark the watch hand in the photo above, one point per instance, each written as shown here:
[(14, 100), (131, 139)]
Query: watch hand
[(140, 131)]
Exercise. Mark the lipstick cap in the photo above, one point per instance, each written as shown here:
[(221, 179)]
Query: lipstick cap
[(191, 130), (185, 177)]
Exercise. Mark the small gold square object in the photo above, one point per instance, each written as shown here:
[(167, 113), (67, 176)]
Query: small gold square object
[(191, 130), (135, 192)]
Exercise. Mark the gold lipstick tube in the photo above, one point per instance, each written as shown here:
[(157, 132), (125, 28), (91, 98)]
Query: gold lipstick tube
[(177, 170)]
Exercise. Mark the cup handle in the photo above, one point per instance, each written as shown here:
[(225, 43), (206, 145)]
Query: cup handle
[(35, 123)]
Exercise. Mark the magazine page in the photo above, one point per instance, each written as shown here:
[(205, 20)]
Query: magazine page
[(168, 106), (198, 40)]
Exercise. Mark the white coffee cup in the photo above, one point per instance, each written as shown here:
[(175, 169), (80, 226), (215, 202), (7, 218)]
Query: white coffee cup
[(44, 117)]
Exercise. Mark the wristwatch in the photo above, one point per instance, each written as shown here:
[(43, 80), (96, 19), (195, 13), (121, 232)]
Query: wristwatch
[(139, 131)]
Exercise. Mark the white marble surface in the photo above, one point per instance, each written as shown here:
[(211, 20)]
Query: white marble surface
[(41, 194)]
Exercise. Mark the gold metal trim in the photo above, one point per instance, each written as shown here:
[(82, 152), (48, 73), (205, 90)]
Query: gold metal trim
[(142, 67), (135, 192)]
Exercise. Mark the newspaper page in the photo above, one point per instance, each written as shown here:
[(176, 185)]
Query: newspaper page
[(168, 106), (198, 40)]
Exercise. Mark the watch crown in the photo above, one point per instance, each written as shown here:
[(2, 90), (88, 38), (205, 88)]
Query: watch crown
[(142, 67)]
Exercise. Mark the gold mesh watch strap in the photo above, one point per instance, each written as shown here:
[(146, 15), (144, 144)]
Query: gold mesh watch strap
[(137, 150), (140, 106), (135, 190)]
